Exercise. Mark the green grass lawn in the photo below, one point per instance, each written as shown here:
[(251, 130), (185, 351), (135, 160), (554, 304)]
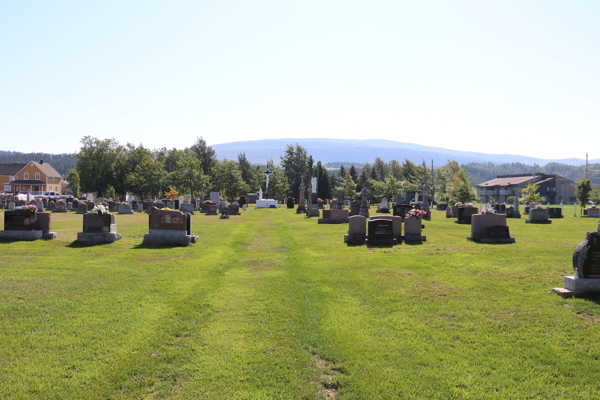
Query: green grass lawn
[(270, 305)]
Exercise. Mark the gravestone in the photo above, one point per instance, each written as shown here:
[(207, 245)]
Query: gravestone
[(380, 232), (169, 227), (90, 205), (187, 207), (538, 216), (290, 203), (70, 206), (233, 208), (43, 223), (19, 220), (593, 212), (586, 264), (396, 224), (39, 205), (215, 197), (383, 206), (245, 207), (465, 213), (482, 232), (140, 207), (364, 204), (125, 208), (301, 204), (211, 209), (354, 208), (412, 229), (99, 228), (555, 212), (82, 208), (356, 230), (27, 226), (334, 216), (170, 204), (252, 197), (401, 209), (51, 206), (516, 208), (60, 206), (425, 202), (224, 211), (441, 206)]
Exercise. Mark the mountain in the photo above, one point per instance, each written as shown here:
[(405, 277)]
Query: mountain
[(362, 151)]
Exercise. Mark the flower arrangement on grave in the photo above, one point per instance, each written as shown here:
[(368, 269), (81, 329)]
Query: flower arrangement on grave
[(487, 211), (29, 209), (458, 204), (100, 210), (415, 213), (538, 207), (469, 205), (171, 194), (319, 199)]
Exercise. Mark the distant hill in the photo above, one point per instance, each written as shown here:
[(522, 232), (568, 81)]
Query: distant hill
[(362, 151)]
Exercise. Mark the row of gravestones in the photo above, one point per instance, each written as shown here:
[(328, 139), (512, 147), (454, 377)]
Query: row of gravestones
[(383, 230)]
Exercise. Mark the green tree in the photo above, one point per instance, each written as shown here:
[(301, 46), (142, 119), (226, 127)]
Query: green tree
[(245, 168), (189, 175), (96, 163), (227, 178), (530, 194), (390, 187), (148, 178), (459, 188), (443, 175), (127, 159), (347, 186), (353, 173), (206, 155), (296, 163), (278, 182), (594, 194), (110, 192), (380, 168), (583, 190), (74, 183), (342, 171), (323, 183)]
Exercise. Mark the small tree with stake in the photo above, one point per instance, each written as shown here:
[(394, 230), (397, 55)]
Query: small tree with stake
[(584, 188)]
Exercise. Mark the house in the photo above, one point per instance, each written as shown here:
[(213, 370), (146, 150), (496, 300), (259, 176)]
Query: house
[(8, 173), (554, 188), (33, 177)]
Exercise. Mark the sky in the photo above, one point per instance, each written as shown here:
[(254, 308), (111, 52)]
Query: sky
[(517, 77)]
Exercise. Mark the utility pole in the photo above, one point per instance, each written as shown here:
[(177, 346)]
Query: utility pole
[(586, 165)]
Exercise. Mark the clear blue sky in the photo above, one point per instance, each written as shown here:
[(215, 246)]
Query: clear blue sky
[(517, 77)]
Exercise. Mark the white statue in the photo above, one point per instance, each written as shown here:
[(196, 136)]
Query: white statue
[(260, 194), (313, 185)]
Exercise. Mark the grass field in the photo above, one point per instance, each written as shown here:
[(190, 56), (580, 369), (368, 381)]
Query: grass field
[(270, 305)]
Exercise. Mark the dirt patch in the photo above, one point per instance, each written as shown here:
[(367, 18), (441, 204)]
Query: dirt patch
[(259, 241), (260, 265), (589, 317), (328, 377), (160, 257)]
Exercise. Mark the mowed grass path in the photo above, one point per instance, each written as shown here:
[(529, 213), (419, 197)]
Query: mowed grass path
[(270, 305)]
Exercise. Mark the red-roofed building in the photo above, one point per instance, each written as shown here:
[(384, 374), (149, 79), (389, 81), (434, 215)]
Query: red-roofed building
[(554, 188)]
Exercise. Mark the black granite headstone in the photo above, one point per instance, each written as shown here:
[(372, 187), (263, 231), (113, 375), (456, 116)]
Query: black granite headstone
[(19, 220), (497, 232), (586, 258), (380, 229)]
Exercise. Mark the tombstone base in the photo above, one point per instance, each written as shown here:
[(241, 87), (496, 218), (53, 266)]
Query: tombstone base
[(80, 212), (126, 212), (210, 213), (163, 237), (355, 239), (86, 237), (414, 238), (563, 292), (59, 211), (235, 213), (589, 216), (333, 221), (26, 235), (555, 216), (313, 212), (202, 211), (383, 211), (381, 242), (224, 216), (537, 222), (514, 215), (581, 285), (493, 241)]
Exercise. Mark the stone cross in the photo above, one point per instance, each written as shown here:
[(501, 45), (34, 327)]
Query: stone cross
[(364, 205), (426, 197), (267, 173), (301, 202)]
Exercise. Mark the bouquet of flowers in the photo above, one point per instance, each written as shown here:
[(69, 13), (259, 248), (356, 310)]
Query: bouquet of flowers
[(469, 205), (458, 204), (415, 213), (31, 209), (488, 211), (100, 209)]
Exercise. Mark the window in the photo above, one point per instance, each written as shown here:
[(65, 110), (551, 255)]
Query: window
[(37, 176), (50, 188), (11, 178), (26, 176)]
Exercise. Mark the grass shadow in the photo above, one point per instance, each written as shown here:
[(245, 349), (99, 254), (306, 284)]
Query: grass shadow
[(167, 246), (78, 245)]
